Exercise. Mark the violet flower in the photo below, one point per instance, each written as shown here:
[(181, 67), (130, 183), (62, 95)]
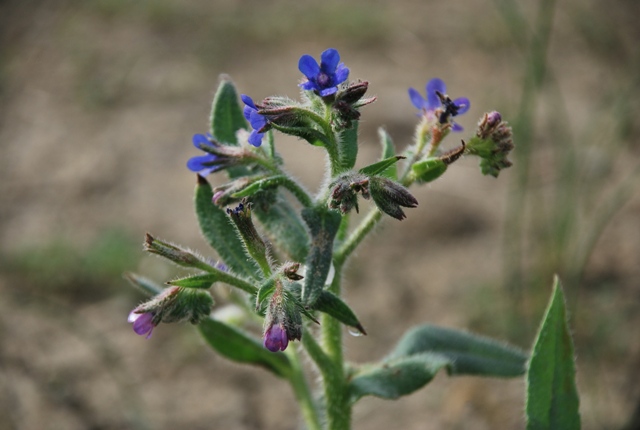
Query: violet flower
[(204, 164), (142, 323), (437, 99), (257, 121), (326, 77), (275, 338)]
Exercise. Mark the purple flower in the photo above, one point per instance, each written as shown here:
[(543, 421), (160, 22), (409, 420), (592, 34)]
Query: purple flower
[(326, 77), (437, 99), (275, 338), (204, 164), (257, 121), (142, 323)]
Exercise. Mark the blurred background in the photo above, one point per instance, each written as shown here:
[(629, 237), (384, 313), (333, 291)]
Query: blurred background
[(98, 103)]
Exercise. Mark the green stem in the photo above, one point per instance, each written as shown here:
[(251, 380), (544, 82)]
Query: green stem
[(235, 282), (356, 237), (335, 384), (302, 392)]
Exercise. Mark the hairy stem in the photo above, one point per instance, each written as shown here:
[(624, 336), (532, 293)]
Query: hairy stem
[(302, 392)]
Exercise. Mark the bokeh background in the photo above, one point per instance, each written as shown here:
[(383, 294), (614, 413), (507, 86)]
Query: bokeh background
[(98, 103)]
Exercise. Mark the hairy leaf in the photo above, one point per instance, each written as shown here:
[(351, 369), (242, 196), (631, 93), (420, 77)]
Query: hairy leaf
[(237, 345), (552, 397), (220, 231)]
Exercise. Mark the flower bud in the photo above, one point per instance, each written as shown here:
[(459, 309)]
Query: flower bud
[(283, 321), (181, 257), (345, 189), (175, 304), (492, 143), (255, 246), (389, 196), (290, 271)]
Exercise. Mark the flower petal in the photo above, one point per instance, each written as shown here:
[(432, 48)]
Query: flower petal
[(463, 105), (456, 127), (308, 85), (435, 84), (329, 61), (201, 162), (255, 138), (200, 140), (257, 121), (248, 101), (328, 91), (416, 99), (144, 324), (342, 73), (308, 66)]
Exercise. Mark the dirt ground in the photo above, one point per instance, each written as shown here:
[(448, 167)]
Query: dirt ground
[(98, 103)]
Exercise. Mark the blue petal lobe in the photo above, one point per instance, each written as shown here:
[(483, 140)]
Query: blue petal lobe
[(200, 140), (416, 99), (463, 105), (342, 73), (328, 91), (308, 66), (255, 138), (456, 127), (248, 101), (435, 84), (329, 60), (309, 85), (196, 164)]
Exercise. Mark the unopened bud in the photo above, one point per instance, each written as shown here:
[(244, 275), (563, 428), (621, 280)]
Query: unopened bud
[(389, 196), (180, 256), (172, 305)]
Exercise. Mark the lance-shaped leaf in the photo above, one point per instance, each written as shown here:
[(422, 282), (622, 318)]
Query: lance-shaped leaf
[(429, 170), (396, 378), (348, 147), (219, 231), (380, 166), (285, 228), (226, 113), (143, 284), (333, 305), (388, 150), (470, 354), (237, 345), (323, 225), (426, 349), (552, 397), (202, 281)]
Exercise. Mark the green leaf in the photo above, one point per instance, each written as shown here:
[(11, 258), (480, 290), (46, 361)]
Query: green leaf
[(285, 228), (348, 147), (396, 378), (380, 166), (237, 345), (323, 225), (202, 281), (552, 397), (469, 354), (220, 231), (333, 305), (429, 170), (143, 284), (388, 150), (426, 349), (226, 113)]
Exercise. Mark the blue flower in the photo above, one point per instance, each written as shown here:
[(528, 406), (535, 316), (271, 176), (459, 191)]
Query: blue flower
[(257, 121), (326, 77), (204, 164), (437, 99)]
